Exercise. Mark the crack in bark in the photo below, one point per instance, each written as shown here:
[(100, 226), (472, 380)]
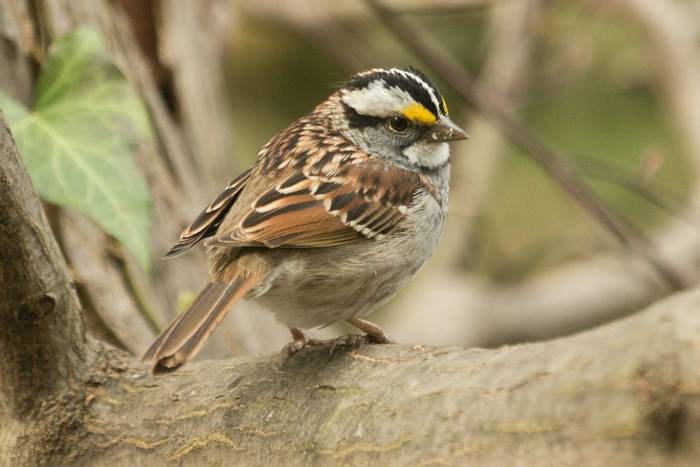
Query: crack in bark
[(200, 443)]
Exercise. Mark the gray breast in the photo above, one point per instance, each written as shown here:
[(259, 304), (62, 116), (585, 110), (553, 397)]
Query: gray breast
[(315, 287)]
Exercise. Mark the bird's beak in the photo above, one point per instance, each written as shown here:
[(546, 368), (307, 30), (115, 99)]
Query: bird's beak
[(445, 130)]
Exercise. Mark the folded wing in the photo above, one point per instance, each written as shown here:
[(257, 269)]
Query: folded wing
[(312, 209)]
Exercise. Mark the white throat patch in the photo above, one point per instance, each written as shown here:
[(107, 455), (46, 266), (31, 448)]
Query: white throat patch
[(427, 154)]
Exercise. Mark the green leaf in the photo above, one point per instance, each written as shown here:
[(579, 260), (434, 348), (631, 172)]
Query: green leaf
[(78, 140)]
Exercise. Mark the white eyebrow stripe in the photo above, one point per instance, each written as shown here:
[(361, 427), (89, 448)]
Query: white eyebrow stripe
[(382, 100), (377, 99)]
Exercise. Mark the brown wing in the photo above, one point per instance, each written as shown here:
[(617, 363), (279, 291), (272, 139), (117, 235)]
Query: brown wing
[(208, 221), (327, 204), (309, 188)]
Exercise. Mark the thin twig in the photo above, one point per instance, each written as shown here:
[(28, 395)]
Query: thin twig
[(603, 170), (447, 7), (632, 185), (546, 157)]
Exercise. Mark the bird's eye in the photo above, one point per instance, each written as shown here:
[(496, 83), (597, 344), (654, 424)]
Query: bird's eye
[(399, 124)]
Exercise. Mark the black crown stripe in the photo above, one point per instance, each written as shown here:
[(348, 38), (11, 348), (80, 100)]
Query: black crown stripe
[(401, 81)]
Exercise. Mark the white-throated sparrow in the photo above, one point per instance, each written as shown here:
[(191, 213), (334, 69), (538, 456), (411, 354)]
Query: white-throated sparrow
[(338, 212)]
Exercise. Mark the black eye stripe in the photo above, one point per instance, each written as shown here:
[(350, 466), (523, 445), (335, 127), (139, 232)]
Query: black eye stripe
[(356, 120)]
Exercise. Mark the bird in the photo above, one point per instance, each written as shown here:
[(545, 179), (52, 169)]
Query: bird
[(338, 212)]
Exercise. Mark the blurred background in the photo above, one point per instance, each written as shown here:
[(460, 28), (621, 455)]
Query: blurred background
[(574, 202)]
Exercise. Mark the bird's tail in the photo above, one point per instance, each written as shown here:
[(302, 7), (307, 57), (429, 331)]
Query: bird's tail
[(189, 331)]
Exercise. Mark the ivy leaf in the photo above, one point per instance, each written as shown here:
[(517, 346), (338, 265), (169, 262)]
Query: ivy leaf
[(79, 138)]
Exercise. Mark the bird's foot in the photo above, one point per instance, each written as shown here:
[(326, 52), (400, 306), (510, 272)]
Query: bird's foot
[(301, 341), (375, 334), (356, 340), (349, 341)]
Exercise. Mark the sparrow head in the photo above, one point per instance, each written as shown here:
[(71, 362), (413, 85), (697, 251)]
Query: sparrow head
[(398, 113)]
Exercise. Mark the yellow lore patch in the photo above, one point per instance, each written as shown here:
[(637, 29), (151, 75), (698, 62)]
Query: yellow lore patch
[(418, 113)]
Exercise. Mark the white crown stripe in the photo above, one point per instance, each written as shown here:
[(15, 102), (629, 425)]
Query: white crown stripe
[(381, 100)]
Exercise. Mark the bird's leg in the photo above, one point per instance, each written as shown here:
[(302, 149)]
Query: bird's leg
[(375, 334), (301, 341)]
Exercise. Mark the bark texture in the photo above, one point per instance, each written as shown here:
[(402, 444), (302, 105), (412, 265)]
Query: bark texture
[(624, 394), (41, 332)]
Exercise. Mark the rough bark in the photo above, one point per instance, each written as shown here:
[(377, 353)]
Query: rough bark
[(624, 394), (42, 337)]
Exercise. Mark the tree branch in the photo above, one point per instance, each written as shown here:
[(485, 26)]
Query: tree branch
[(414, 405), (42, 337)]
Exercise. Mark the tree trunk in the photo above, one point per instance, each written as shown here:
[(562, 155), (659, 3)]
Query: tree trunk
[(624, 394)]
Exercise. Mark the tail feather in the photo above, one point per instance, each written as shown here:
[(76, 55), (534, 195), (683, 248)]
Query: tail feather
[(186, 335)]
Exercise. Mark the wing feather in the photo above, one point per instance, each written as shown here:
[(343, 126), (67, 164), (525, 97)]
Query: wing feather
[(315, 208), (207, 222)]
